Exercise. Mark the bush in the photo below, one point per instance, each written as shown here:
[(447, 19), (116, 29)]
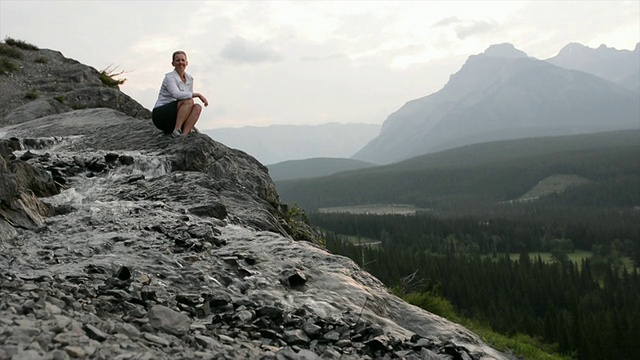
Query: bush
[(108, 77), (432, 303), (31, 95), (42, 60), (20, 44), (59, 98), (11, 51), (7, 65)]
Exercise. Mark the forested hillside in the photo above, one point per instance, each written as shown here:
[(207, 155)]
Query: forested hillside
[(587, 309), (561, 268), (480, 176)]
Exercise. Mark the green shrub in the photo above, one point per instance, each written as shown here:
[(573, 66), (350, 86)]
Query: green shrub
[(59, 98), (524, 346), (7, 65), (432, 303), (11, 51), (78, 107), (108, 77), (31, 94), (20, 44), (42, 60)]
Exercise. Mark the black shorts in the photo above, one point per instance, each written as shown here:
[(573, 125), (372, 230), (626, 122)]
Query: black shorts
[(164, 117)]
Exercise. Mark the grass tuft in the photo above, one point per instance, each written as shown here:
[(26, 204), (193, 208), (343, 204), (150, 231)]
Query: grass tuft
[(31, 94), (7, 65), (59, 98), (108, 77), (11, 51), (20, 44), (42, 60)]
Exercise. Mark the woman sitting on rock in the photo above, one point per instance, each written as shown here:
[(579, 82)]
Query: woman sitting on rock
[(175, 112)]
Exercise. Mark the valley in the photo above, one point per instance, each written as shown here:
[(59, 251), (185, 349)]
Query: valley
[(533, 243)]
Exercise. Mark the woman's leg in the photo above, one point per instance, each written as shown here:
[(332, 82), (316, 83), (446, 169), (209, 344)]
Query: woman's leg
[(192, 119), (185, 108)]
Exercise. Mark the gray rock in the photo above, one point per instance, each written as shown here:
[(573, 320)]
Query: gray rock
[(288, 353), (206, 342), (75, 351), (426, 354), (156, 339), (169, 321), (245, 316), (330, 353), (128, 330), (59, 355), (311, 329), (52, 309), (27, 355), (295, 337), (61, 322), (22, 335), (332, 335), (95, 333)]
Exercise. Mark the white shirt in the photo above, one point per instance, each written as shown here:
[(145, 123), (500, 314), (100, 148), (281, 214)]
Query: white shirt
[(173, 88)]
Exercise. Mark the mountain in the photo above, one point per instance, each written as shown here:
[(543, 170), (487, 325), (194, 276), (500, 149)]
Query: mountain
[(277, 143), (119, 242), (483, 175), (619, 66), (503, 94), (309, 168)]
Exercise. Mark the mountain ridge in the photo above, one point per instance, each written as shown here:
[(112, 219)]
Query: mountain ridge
[(516, 95), (608, 63)]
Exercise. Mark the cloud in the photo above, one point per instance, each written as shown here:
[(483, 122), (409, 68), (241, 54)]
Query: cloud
[(466, 28), (242, 51), (472, 28), (446, 22)]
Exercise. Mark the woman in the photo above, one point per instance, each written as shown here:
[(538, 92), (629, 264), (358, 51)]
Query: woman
[(175, 112)]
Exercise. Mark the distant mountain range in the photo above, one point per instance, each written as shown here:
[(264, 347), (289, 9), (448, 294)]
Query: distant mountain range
[(504, 94), (619, 66), (277, 143)]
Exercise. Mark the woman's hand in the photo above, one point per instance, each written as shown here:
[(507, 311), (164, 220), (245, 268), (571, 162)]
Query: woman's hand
[(202, 98)]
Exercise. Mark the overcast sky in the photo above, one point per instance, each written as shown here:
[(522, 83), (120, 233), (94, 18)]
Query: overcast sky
[(308, 62)]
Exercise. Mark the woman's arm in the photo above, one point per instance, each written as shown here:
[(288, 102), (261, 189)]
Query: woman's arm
[(202, 98)]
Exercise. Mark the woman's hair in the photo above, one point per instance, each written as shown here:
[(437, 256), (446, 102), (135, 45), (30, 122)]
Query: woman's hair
[(173, 57)]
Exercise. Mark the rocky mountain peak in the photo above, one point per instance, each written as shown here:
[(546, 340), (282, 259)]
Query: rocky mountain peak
[(504, 50), (619, 66), (119, 242), (503, 94)]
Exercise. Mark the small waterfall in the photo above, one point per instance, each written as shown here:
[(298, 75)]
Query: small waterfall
[(84, 189)]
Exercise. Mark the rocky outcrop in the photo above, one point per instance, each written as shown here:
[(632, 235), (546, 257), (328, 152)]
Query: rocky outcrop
[(20, 187), (157, 248), (47, 83)]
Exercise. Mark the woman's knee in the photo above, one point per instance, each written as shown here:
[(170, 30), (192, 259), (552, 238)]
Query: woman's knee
[(197, 108), (185, 102)]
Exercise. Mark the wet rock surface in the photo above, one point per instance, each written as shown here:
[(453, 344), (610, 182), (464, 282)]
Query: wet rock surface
[(155, 248)]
